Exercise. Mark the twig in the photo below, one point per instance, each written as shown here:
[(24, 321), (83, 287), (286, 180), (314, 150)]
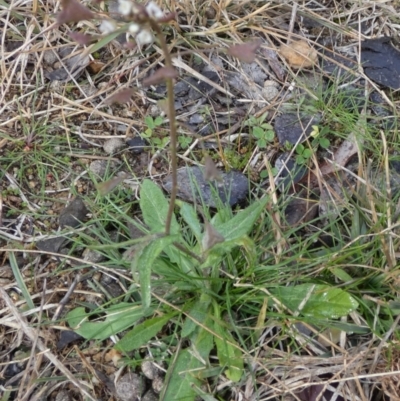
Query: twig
[(172, 124)]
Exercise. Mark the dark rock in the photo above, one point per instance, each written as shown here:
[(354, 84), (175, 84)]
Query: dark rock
[(381, 62), (67, 337), (196, 119), (381, 109), (200, 88), (333, 67), (289, 128), (73, 214), (52, 245), (136, 145), (232, 189), (181, 88), (301, 209), (291, 172)]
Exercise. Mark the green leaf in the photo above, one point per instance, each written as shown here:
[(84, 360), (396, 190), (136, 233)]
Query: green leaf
[(191, 218), (324, 143), (199, 313), (269, 136), (268, 127), (262, 118), (144, 261), (258, 132), (154, 207), (117, 318), (148, 120), (300, 159), (307, 153), (107, 39), (203, 342), (261, 143), (182, 378), (242, 222), (147, 133), (229, 354), (20, 281), (342, 275), (142, 333), (158, 121), (218, 252), (322, 301), (299, 149)]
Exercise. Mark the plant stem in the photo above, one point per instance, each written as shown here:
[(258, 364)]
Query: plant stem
[(172, 124)]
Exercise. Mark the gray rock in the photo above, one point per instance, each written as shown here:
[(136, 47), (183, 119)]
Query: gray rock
[(291, 172), (92, 256), (136, 145), (150, 396), (196, 119), (98, 167), (129, 387), (255, 72), (289, 128), (113, 145), (192, 187), (51, 244), (73, 214)]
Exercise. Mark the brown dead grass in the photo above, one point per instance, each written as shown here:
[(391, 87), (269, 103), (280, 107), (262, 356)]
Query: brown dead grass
[(29, 33)]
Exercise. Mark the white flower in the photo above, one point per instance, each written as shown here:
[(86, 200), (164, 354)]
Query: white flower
[(124, 7), (134, 28), (154, 11), (144, 37), (107, 27)]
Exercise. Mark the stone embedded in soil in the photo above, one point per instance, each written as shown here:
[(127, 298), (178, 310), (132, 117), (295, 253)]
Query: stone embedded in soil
[(52, 245), (381, 62), (289, 128), (192, 187), (291, 172), (331, 65), (129, 387), (301, 209), (67, 337), (381, 109), (98, 167), (150, 396), (113, 145), (136, 145), (73, 214)]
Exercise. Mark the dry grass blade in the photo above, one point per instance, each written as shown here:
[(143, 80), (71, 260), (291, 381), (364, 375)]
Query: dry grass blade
[(33, 336)]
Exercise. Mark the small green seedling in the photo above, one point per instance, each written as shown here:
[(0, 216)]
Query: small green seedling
[(319, 139), (303, 153), (152, 124), (184, 141), (262, 131)]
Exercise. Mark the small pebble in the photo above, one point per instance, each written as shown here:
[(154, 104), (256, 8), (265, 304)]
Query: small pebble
[(98, 167), (270, 92), (149, 369), (113, 145), (92, 256), (129, 387), (150, 396), (50, 57), (136, 145), (157, 384)]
